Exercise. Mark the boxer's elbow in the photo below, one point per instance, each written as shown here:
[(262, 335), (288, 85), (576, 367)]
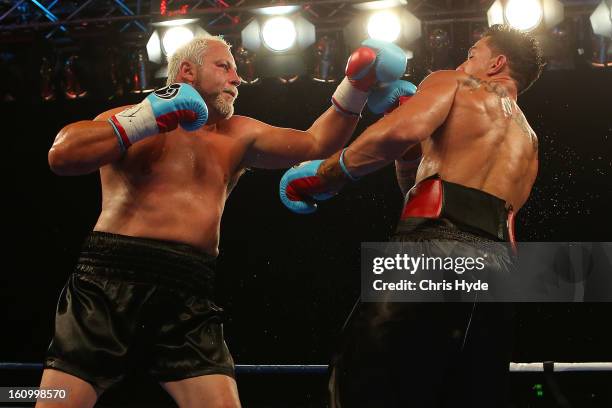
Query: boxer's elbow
[(61, 157), (321, 147), (57, 161), (63, 167), (399, 139), (414, 133), (323, 150)]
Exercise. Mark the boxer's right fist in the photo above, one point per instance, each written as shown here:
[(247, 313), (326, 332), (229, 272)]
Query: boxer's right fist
[(300, 186), (161, 111), (390, 96), (375, 62)]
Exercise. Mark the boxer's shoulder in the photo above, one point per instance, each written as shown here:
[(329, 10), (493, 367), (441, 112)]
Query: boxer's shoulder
[(463, 81), (239, 126), (441, 82), (444, 77)]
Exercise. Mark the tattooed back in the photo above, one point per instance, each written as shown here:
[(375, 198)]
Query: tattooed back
[(485, 143)]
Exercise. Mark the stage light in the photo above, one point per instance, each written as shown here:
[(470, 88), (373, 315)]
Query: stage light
[(526, 15), (601, 19), (167, 37), (177, 22), (601, 56), (384, 25), (277, 10), (495, 13), (325, 53), (395, 24), (438, 50), (72, 83), (298, 33), (47, 86), (116, 80), (379, 4), (154, 51), (288, 79), (139, 73), (278, 41), (279, 34), (245, 60), (439, 39), (174, 37), (559, 46)]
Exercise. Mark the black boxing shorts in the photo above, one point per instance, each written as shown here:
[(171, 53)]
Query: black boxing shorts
[(432, 355), (136, 302)]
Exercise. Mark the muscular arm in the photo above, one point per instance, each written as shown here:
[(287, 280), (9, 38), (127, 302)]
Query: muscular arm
[(389, 138), (274, 147), (83, 147)]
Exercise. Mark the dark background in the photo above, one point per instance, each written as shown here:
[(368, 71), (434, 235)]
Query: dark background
[(287, 282)]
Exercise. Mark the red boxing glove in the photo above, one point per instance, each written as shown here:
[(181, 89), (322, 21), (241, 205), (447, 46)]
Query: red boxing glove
[(359, 68), (375, 62)]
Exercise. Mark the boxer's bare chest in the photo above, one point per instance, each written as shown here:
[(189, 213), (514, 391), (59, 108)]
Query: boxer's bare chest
[(200, 162)]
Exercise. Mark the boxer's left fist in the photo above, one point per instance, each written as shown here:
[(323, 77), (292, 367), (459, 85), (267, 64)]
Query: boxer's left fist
[(373, 63), (300, 187), (390, 96), (161, 111)]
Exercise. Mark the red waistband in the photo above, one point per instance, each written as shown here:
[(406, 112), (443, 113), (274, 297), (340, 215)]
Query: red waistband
[(424, 200)]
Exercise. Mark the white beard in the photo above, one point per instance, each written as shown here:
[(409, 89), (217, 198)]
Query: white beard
[(223, 107)]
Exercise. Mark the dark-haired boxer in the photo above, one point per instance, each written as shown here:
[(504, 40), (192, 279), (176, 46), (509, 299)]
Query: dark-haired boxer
[(141, 291), (479, 162)]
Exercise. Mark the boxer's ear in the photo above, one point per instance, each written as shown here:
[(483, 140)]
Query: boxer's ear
[(497, 64), (187, 72)]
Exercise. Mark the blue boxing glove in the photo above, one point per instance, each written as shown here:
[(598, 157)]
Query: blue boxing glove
[(161, 111), (390, 96), (391, 60), (300, 186), (373, 63)]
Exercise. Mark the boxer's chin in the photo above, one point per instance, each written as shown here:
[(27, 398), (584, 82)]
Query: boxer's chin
[(224, 108)]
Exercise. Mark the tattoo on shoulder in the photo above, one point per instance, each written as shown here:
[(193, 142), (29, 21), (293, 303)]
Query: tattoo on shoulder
[(507, 105), (474, 83), (520, 120)]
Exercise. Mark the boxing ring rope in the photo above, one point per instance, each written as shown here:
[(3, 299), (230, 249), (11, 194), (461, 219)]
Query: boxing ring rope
[(546, 366)]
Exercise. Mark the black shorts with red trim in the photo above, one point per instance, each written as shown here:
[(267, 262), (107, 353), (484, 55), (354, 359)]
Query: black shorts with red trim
[(433, 355)]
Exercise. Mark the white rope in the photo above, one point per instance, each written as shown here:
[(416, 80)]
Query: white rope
[(560, 367), (322, 368)]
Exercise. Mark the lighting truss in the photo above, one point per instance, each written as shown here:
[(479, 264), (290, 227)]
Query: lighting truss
[(61, 18)]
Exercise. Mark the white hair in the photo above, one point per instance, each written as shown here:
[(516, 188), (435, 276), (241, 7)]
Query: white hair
[(192, 51)]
